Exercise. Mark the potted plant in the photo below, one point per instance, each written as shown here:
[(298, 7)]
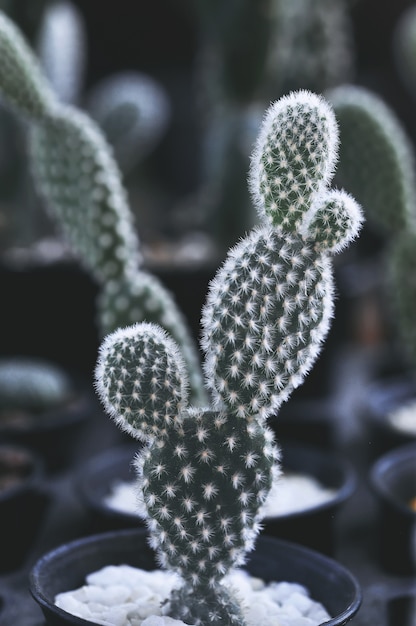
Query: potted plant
[(205, 471)]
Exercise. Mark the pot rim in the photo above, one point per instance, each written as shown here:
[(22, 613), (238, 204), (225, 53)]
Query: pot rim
[(267, 544), (402, 454)]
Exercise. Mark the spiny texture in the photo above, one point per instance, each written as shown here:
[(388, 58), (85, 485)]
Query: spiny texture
[(269, 307), (205, 472), (377, 164), (80, 182)]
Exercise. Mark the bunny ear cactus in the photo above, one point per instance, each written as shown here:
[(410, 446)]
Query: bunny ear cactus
[(205, 472), (377, 164), (81, 184)]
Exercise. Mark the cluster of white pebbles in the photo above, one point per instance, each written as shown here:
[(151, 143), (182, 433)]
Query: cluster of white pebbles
[(404, 418), (121, 595)]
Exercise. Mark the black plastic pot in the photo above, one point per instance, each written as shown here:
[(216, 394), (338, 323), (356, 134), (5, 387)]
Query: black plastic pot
[(55, 433), (381, 398), (67, 566), (315, 526), (393, 481), (93, 483), (23, 504)]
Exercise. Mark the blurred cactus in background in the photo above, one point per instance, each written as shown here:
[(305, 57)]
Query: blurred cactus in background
[(377, 164), (80, 182), (138, 103)]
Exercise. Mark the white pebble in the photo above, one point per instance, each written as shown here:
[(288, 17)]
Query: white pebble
[(126, 596)]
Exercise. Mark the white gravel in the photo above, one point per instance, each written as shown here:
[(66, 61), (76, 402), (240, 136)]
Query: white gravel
[(125, 596), (291, 492), (404, 418)]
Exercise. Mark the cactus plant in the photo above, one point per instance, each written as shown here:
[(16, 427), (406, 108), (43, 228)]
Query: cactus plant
[(80, 182), (377, 164), (204, 472)]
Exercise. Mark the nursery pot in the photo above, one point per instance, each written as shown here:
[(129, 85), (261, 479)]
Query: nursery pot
[(22, 504), (314, 526), (67, 566), (55, 432), (381, 398), (93, 483), (393, 481)]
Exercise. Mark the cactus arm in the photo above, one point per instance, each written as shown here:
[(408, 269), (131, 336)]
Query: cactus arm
[(21, 77), (80, 182), (294, 157), (377, 164), (140, 296), (336, 221), (141, 379)]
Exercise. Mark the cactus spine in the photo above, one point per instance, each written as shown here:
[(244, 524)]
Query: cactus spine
[(205, 472), (80, 181)]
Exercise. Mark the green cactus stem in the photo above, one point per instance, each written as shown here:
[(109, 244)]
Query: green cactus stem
[(204, 473)]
